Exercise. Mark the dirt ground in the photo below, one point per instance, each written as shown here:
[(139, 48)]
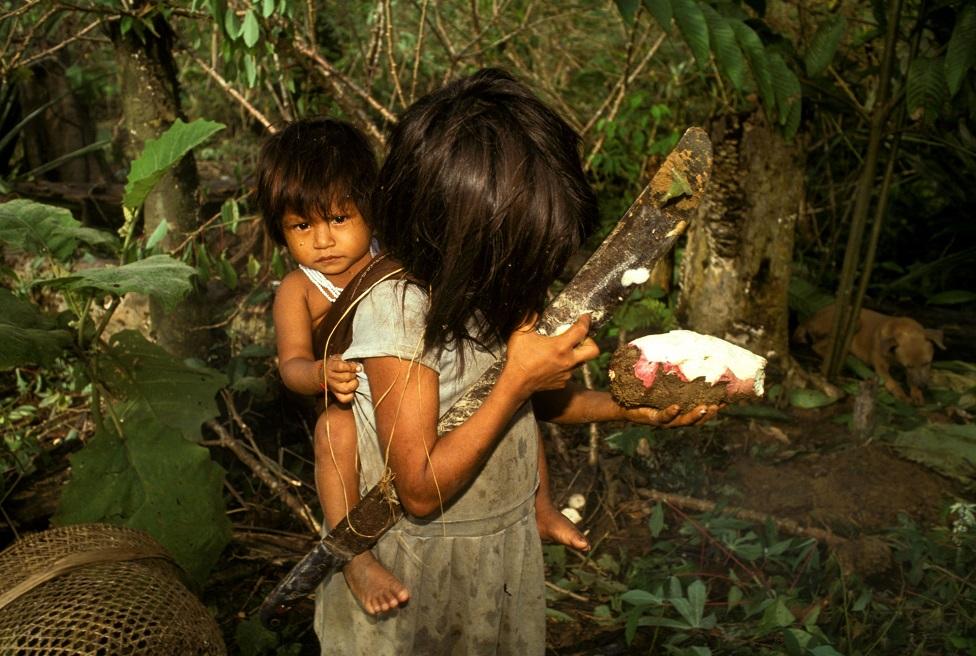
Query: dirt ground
[(807, 468)]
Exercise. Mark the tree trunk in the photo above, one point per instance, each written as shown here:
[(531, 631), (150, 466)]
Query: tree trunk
[(150, 104), (735, 271)]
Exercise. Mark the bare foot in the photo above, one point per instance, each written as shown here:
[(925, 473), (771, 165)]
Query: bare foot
[(377, 590), (556, 527)]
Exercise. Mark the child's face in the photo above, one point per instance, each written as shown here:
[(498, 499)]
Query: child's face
[(336, 245)]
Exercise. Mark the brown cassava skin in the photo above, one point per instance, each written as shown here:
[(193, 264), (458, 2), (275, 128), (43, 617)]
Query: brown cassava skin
[(628, 390), (645, 233)]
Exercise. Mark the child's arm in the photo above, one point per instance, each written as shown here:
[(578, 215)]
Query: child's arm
[(578, 405), (431, 470), (300, 370)]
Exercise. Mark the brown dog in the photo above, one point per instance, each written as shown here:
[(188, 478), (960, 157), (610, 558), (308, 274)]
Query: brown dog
[(881, 341)]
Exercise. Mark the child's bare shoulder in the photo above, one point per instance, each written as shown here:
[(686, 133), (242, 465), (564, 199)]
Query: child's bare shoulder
[(296, 293)]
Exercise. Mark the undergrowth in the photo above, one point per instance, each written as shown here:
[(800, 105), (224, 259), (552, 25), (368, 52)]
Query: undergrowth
[(712, 585)]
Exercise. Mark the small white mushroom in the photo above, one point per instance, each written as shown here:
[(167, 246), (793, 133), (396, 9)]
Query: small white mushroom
[(577, 502), (572, 515), (636, 276)]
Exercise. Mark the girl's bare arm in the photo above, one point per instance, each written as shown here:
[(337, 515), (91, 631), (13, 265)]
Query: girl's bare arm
[(431, 470), (577, 405)]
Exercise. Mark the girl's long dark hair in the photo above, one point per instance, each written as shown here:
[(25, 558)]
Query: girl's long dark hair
[(483, 199)]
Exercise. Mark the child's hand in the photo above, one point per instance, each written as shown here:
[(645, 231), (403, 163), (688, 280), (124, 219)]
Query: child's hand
[(538, 363), (341, 379)]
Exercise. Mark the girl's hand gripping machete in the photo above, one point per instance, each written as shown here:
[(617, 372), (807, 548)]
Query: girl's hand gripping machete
[(645, 233)]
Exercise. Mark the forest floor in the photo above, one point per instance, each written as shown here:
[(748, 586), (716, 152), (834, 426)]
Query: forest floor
[(655, 503), (803, 469), (806, 468)]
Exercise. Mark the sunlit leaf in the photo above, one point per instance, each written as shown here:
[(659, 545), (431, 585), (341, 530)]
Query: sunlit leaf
[(158, 235), (948, 448), (160, 155), (809, 399), (640, 598), (250, 30), (159, 276), (46, 229)]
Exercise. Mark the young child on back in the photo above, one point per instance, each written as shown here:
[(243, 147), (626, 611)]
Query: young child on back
[(314, 186)]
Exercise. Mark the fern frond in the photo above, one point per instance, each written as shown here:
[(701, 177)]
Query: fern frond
[(961, 54), (824, 44), (691, 22), (926, 89), (661, 11), (728, 56)]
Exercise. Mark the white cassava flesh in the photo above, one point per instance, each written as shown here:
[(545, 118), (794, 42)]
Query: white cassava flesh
[(691, 355)]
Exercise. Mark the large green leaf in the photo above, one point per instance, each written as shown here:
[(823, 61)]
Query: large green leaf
[(961, 54), (627, 9), (661, 11), (164, 278), (728, 55), (160, 155), (755, 53), (152, 479), (46, 229), (691, 22), (173, 393), (786, 86), (26, 335), (947, 448), (926, 89), (824, 44)]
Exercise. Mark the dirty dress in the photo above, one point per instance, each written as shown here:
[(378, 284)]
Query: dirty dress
[(475, 572)]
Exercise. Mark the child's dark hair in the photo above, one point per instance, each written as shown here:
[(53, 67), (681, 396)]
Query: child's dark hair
[(483, 199), (311, 165)]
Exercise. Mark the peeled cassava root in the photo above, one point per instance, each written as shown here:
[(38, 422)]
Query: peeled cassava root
[(685, 368)]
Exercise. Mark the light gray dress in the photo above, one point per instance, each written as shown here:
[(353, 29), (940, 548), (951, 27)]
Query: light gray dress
[(475, 573)]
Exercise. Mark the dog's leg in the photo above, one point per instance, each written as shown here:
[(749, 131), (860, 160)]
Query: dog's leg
[(880, 362)]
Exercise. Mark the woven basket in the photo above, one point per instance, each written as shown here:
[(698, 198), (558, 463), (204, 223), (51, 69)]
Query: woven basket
[(99, 589)]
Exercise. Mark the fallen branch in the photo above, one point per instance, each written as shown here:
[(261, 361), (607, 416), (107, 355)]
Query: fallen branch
[(786, 525)]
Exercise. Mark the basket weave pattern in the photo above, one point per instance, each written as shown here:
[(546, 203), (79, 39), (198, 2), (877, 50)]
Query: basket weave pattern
[(132, 602)]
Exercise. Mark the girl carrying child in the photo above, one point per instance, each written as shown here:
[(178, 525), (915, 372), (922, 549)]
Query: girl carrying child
[(482, 199), (314, 184)]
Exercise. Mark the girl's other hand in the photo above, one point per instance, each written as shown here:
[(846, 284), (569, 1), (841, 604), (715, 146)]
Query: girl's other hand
[(538, 363), (341, 378), (669, 417)]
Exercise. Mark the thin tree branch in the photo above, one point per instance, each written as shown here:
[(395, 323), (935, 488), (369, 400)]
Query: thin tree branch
[(391, 55), (232, 92), (416, 54), (301, 511)]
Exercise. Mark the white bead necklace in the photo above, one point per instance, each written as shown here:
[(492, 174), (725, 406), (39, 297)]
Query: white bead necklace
[(323, 284)]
